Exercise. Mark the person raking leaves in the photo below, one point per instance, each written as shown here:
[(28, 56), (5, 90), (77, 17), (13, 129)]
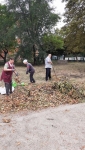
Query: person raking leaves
[(30, 69), (6, 76), (48, 66)]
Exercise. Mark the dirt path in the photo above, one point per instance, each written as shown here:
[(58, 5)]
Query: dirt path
[(61, 128)]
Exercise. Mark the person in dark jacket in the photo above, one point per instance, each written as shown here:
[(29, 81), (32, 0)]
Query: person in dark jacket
[(6, 75), (30, 69)]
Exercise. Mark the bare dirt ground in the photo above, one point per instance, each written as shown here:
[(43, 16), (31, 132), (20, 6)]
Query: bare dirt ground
[(53, 128)]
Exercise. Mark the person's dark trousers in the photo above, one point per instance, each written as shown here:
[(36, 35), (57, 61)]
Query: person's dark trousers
[(48, 73), (31, 77), (8, 87)]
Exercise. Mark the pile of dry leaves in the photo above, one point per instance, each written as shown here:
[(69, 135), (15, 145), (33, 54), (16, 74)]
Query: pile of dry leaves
[(38, 96)]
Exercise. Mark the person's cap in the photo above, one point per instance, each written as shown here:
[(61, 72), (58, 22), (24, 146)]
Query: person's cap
[(25, 61)]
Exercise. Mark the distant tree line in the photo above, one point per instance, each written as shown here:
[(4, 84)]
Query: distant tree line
[(26, 28)]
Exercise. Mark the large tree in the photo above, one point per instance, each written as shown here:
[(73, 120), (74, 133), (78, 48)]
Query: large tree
[(75, 26), (6, 23), (33, 19), (53, 43)]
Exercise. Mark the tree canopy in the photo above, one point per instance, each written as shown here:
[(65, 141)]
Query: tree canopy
[(75, 26), (33, 18), (53, 43), (6, 23)]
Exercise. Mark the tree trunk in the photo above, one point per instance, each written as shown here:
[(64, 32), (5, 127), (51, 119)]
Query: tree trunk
[(5, 55), (34, 58)]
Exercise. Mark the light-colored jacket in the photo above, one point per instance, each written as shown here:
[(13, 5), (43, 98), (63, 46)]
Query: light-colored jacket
[(48, 62)]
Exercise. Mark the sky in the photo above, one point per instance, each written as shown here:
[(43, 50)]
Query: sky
[(59, 8)]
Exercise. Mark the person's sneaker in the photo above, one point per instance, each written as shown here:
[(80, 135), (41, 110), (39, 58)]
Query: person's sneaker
[(49, 78), (11, 92), (33, 82)]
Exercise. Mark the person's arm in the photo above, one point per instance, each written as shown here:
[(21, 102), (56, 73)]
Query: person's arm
[(16, 73), (6, 68), (49, 61), (27, 69)]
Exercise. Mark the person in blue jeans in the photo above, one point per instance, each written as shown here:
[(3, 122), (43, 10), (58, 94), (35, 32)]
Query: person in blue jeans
[(30, 69)]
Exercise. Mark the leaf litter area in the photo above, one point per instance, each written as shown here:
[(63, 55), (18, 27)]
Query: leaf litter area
[(42, 95), (66, 87)]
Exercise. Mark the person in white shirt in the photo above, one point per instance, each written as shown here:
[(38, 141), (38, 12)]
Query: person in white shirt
[(48, 66)]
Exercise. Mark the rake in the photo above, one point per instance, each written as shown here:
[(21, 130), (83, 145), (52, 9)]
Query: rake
[(19, 83), (54, 72)]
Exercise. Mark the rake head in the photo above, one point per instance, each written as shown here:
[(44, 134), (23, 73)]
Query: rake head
[(17, 79)]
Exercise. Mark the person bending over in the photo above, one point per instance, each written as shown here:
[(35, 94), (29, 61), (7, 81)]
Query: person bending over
[(30, 69)]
